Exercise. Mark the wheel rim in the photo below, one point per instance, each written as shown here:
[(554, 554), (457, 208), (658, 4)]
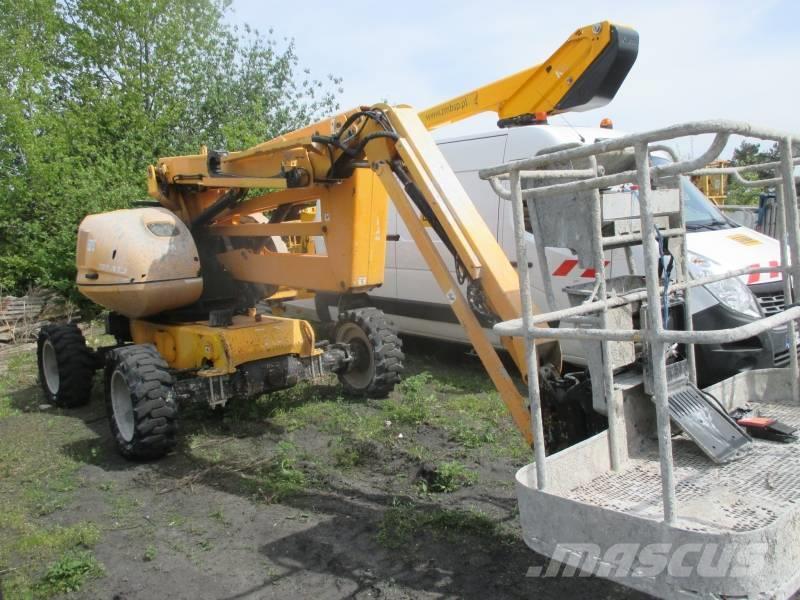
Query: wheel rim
[(362, 372), (50, 367), (122, 406)]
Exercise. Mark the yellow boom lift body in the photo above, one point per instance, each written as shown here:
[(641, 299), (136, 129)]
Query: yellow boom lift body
[(213, 235)]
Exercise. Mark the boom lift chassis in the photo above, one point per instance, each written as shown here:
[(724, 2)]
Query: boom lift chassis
[(721, 530), (216, 346)]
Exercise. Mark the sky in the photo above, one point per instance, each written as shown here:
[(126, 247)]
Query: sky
[(697, 60)]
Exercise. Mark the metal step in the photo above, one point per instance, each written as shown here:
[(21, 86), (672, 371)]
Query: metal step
[(706, 423), (699, 415)]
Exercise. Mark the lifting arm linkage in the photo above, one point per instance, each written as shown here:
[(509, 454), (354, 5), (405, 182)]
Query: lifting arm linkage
[(414, 162), (349, 163)]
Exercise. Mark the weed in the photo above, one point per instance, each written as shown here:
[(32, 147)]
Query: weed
[(415, 385), (414, 406), (176, 520), (351, 452), (403, 522), (150, 554), (70, 572), (473, 437), (219, 515), (281, 477), (445, 478)]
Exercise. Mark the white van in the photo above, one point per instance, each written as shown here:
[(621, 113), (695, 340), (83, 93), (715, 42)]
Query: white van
[(417, 305)]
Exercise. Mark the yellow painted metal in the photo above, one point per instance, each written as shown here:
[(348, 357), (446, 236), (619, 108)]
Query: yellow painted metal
[(474, 242), (220, 350), (351, 214), (353, 217), (536, 89), (480, 341)]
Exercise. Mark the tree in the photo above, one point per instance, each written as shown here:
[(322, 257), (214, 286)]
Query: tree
[(92, 91), (749, 153)]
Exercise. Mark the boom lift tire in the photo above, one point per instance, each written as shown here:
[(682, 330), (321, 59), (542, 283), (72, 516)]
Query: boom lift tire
[(66, 365), (141, 403), (378, 352)]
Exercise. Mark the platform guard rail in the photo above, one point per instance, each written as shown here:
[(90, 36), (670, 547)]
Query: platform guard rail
[(554, 181)]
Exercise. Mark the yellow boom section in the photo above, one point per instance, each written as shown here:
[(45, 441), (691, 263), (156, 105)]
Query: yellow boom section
[(561, 83), (349, 166)]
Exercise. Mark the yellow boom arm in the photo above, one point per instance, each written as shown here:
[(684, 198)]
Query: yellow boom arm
[(598, 54), (348, 166)]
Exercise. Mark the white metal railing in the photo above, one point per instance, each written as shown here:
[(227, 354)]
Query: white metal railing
[(585, 184)]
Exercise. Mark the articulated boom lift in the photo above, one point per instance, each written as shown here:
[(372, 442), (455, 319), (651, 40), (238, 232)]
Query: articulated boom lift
[(182, 278)]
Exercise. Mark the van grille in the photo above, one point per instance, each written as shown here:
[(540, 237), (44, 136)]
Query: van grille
[(781, 359), (771, 303)]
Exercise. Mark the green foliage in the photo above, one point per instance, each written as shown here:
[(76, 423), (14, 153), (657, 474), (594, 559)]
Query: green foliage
[(404, 525), (749, 153), (447, 478), (70, 572), (354, 452), (92, 91), (415, 403), (150, 553), (281, 477)]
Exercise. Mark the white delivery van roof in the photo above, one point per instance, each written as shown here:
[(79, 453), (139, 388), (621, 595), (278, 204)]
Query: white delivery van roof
[(470, 152)]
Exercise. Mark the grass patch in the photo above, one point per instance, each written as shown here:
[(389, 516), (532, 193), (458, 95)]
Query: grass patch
[(281, 477), (38, 477), (150, 554), (404, 526), (26, 546), (352, 452), (415, 402), (69, 573), (445, 478), (16, 376)]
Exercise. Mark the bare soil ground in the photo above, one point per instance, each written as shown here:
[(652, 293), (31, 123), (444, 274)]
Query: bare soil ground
[(303, 493)]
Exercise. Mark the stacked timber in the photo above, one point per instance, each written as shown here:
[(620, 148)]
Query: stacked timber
[(21, 317)]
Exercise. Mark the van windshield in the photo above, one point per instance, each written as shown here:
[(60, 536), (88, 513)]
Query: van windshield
[(698, 211)]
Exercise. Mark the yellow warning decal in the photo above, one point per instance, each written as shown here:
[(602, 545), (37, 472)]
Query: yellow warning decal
[(744, 239)]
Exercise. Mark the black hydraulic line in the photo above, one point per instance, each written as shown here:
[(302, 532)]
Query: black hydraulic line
[(343, 166), (225, 201), (334, 140), (421, 203), (372, 136)]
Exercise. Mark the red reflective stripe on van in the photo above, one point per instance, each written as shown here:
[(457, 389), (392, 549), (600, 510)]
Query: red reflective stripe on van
[(753, 277), (590, 273), (774, 263), (565, 267)]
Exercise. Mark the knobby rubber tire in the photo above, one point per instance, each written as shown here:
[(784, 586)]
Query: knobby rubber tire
[(386, 350), (75, 361), (152, 396)]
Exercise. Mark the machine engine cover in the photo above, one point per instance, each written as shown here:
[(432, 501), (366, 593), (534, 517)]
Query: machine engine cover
[(138, 262)]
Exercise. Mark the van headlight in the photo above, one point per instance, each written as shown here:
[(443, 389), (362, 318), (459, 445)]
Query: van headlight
[(730, 292)]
